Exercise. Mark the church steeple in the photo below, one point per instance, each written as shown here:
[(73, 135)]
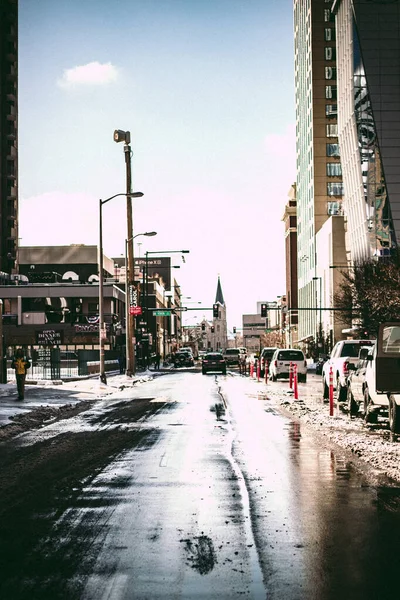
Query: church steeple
[(219, 297)]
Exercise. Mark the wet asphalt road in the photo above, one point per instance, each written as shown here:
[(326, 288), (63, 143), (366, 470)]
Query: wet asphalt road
[(190, 486)]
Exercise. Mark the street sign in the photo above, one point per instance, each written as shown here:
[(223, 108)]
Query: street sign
[(162, 313), (135, 310)]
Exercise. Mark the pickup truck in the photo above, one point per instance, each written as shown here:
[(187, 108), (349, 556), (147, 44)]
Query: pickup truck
[(385, 371), (232, 356), (343, 353)]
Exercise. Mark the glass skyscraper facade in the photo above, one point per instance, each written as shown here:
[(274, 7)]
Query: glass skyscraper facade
[(368, 49)]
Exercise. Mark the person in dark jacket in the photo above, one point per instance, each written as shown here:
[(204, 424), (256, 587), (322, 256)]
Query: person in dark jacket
[(21, 365)]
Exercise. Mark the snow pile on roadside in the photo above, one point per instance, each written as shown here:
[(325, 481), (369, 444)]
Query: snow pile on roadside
[(372, 444)]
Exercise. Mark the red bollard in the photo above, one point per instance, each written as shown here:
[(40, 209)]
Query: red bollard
[(266, 371), (295, 386), (291, 375), (331, 392), (251, 369), (258, 370)]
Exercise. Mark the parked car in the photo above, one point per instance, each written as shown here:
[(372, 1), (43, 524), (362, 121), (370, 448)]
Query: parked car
[(183, 359), (266, 355), (374, 384), (213, 361), (356, 382), (344, 352), (281, 360)]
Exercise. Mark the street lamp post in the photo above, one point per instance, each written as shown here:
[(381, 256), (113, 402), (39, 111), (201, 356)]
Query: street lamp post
[(102, 329), (319, 328), (127, 297)]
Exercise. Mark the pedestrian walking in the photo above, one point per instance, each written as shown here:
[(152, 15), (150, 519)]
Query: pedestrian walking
[(21, 364), (157, 361)]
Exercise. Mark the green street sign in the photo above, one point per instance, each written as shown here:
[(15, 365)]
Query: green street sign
[(162, 313)]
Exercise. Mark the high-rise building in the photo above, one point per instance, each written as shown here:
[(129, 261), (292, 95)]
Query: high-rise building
[(368, 60), (290, 220), (319, 186), (8, 136)]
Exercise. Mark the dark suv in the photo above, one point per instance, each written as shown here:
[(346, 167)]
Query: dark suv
[(213, 361), (183, 359)]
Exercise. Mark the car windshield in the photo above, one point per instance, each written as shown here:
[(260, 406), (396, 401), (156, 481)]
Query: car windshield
[(352, 350), (232, 351), (290, 355), (268, 353), (214, 356)]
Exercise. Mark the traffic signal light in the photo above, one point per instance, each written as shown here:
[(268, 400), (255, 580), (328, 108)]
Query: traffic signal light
[(215, 311), (263, 310), (212, 329), (203, 326), (234, 330)]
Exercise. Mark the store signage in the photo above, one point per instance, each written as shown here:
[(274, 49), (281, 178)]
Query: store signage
[(49, 337)]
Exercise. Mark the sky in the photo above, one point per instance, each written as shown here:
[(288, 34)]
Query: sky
[(206, 89)]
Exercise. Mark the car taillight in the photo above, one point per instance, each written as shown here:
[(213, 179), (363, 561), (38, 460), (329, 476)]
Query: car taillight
[(345, 367), (276, 363)]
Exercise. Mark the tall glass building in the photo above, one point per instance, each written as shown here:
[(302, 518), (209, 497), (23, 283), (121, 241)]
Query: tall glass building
[(8, 136), (368, 78)]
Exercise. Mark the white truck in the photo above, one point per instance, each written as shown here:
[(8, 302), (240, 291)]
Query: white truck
[(384, 377), (343, 353)]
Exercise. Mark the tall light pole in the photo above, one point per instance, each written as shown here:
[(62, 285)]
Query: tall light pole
[(102, 329), (125, 136), (319, 329), (127, 296)]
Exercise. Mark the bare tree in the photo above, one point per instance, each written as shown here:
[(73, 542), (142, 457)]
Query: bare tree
[(370, 294)]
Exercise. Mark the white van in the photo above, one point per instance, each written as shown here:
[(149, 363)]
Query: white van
[(281, 361)]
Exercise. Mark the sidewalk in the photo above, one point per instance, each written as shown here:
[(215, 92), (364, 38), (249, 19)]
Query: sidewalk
[(55, 394)]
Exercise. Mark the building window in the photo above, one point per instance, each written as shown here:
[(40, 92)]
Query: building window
[(327, 15), (335, 189), (332, 130), (332, 150), (331, 92), (331, 110), (334, 169), (330, 53), (330, 73), (335, 208), (328, 34)]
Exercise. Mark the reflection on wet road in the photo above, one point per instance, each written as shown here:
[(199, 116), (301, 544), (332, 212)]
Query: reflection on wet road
[(189, 487), (321, 531)]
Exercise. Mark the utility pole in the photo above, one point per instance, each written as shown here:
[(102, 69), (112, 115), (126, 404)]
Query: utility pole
[(130, 330), (131, 293)]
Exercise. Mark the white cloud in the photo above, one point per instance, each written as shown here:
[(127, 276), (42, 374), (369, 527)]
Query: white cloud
[(93, 73)]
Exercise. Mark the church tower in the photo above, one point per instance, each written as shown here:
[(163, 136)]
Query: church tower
[(219, 339)]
